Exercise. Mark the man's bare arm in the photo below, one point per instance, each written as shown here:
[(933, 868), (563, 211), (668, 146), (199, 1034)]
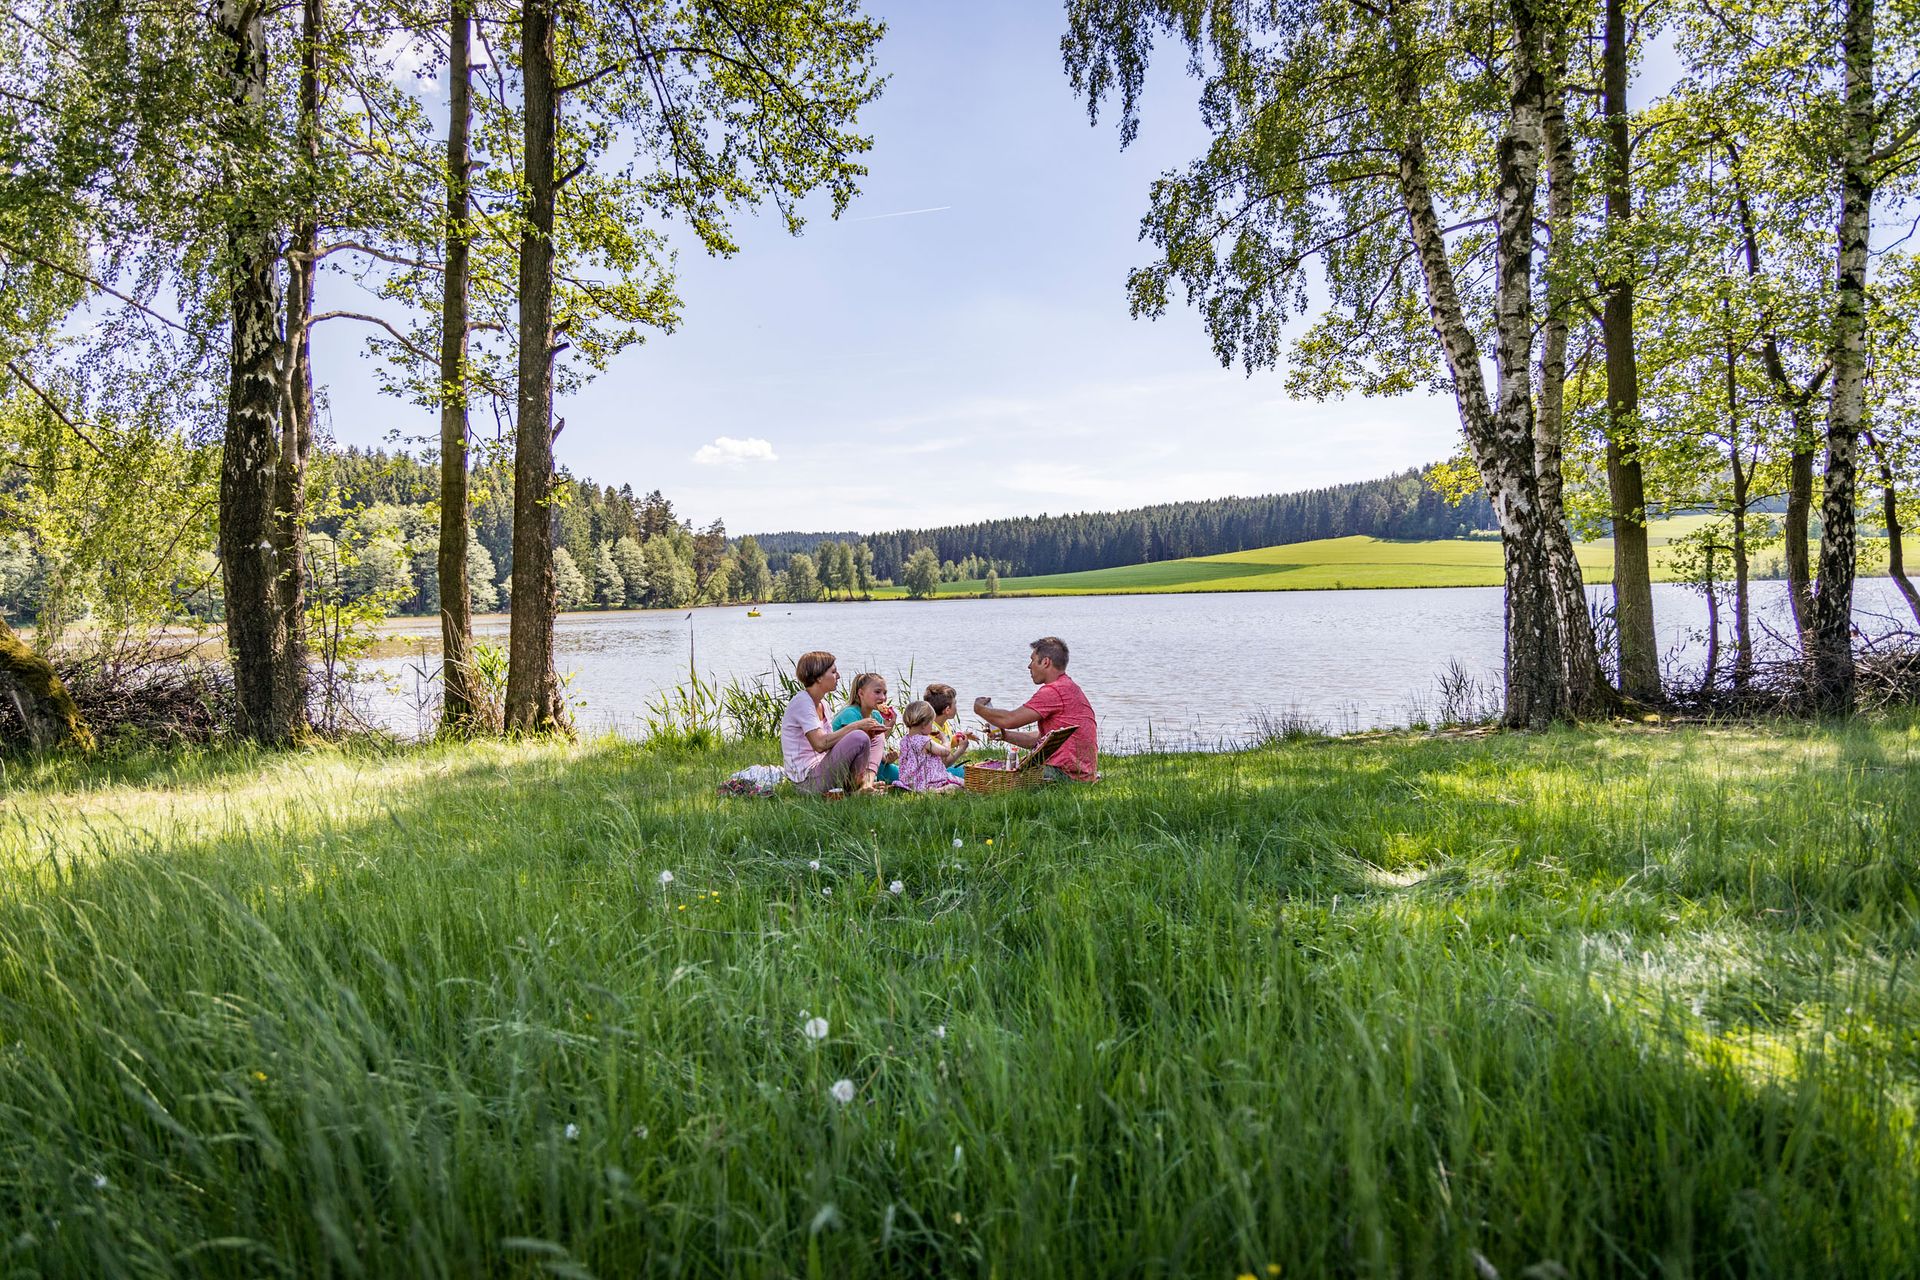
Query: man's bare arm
[(999, 719)]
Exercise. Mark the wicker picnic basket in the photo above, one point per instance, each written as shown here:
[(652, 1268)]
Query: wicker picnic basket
[(989, 779)]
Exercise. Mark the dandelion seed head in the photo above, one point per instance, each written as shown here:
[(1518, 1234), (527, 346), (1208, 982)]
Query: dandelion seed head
[(666, 877), (813, 864), (842, 1091), (897, 888), (958, 842), (816, 1028), (827, 892), (940, 1032), (99, 1182), (571, 1132)]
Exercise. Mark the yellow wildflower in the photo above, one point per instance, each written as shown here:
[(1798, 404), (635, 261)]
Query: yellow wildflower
[(261, 1076)]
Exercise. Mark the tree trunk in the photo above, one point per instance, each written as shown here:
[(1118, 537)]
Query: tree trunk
[(1846, 410), (1552, 672), (464, 707), (30, 685), (1794, 528), (534, 704), (1713, 630), (1632, 564), (249, 556), (296, 431), (1896, 553), (1742, 477), (1742, 595), (1550, 424)]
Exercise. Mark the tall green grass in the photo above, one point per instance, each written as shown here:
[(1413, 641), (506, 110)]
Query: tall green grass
[(1591, 1003)]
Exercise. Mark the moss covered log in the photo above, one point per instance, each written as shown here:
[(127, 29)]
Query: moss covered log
[(41, 701)]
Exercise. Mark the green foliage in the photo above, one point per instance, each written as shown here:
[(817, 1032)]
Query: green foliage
[(569, 584), (1588, 1000), (798, 581), (922, 573)]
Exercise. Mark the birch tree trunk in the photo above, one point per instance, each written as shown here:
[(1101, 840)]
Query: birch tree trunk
[(463, 707), (1846, 410), (1632, 563), (1550, 425), (1552, 671), (533, 689), (249, 553)]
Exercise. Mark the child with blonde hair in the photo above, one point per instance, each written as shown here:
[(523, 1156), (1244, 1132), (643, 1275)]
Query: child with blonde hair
[(943, 699), (923, 761), (867, 700)]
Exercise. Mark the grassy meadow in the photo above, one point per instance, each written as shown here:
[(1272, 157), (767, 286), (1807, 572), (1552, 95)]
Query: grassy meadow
[(1606, 1001), (1356, 562)]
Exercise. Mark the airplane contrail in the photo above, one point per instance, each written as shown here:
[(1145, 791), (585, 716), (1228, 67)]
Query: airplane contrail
[(904, 213)]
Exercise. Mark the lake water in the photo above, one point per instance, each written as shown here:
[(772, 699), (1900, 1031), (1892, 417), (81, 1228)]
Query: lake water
[(1179, 669)]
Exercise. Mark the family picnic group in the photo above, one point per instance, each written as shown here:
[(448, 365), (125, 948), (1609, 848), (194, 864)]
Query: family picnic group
[(850, 753)]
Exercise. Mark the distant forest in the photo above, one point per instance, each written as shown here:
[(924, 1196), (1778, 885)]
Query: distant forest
[(1398, 506), (372, 528)]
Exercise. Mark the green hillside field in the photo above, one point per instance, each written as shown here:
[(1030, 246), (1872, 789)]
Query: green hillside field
[(1337, 563)]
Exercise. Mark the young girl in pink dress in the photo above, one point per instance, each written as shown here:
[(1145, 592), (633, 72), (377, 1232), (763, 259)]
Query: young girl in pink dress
[(923, 761)]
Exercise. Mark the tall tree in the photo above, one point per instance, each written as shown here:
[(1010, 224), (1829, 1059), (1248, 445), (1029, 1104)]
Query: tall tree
[(463, 704), (534, 704), (736, 104), (1832, 654), (1632, 561), (270, 690), (1326, 117)]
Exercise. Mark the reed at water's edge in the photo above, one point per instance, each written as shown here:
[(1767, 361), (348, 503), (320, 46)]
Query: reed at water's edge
[(1613, 1002)]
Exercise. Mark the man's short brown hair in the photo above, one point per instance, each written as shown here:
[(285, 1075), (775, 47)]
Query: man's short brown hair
[(1053, 649), (940, 697), (812, 666)]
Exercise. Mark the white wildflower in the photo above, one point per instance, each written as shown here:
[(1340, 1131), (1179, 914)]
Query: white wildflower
[(816, 1028), (640, 1131), (842, 1091), (827, 892), (666, 877), (958, 842), (940, 1032), (571, 1132), (99, 1182), (813, 864), (897, 888)]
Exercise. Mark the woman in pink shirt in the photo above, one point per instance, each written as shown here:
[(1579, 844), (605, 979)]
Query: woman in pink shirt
[(1057, 703), (817, 758)]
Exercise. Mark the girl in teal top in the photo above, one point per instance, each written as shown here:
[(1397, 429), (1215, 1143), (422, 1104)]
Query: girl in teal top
[(868, 697)]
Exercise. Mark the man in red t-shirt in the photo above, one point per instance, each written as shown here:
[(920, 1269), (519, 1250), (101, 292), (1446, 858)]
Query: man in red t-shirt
[(1056, 703)]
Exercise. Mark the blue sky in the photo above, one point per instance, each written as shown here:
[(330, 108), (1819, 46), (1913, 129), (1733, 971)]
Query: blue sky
[(971, 360)]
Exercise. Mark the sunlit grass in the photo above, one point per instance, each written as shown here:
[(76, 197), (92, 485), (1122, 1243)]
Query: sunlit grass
[(1625, 1001)]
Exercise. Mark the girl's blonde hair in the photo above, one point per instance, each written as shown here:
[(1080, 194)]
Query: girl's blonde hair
[(916, 714), (860, 682)]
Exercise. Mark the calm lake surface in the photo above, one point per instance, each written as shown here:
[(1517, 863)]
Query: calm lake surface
[(1177, 669)]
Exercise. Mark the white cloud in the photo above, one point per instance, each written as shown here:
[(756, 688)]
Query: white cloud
[(727, 451)]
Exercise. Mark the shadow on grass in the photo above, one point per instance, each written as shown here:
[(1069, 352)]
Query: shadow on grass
[(1173, 1050)]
